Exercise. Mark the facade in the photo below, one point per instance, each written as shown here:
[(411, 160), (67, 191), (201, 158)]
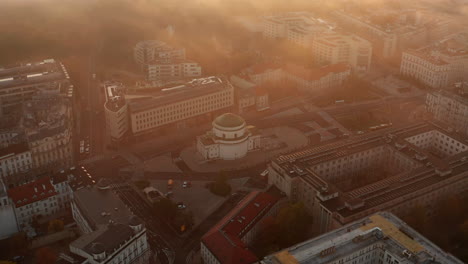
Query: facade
[(414, 165), (15, 163), (429, 70), (116, 111), (380, 238), (150, 50), (449, 107), (229, 239), (168, 70), (175, 106), (37, 198), (343, 48), (230, 139), (110, 232), (297, 27), (307, 79), (250, 95), (20, 82), (9, 225)]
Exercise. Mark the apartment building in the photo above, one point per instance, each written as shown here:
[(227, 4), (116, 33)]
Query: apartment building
[(411, 165), (167, 70), (450, 107), (37, 198), (180, 105), (110, 232), (343, 48), (15, 163), (18, 83), (431, 71), (307, 79), (229, 240), (9, 226), (379, 238), (250, 95), (297, 27), (116, 111), (147, 51)]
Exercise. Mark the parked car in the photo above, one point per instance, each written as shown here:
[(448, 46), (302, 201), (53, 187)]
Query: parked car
[(186, 184), (181, 205)]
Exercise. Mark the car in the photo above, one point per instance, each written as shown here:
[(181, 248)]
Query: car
[(360, 132), (186, 184), (169, 194), (181, 206)]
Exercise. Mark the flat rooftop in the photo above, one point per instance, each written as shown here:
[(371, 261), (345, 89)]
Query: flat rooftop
[(383, 228), (140, 102), (32, 73)]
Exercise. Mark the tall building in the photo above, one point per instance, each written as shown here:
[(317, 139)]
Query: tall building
[(450, 107), (297, 27), (229, 240), (150, 50), (393, 169), (343, 48), (380, 238), (110, 232)]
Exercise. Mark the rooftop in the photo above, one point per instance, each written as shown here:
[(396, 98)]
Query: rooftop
[(196, 88), (109, 208), (398, 238), (224, 240), (229, 120), (32, 192)]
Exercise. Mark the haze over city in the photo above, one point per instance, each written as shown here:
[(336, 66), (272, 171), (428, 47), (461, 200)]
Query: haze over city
[(233, 131)]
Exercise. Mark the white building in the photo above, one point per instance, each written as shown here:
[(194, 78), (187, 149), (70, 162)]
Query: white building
[(229, 139), (380, 238), (38, 198), (15, 162), (297, 27), (151, 50), (167, 70), (110, 232), (8, 225), (116, 111), (343, 48), (179, 105), (429, 70), (250, 95), (449, 107)]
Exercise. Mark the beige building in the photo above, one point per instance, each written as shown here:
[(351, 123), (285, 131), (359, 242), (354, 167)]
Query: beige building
[(343, 48), (379, 238), (179, 105), (167, 70), (15, 164), (297, 27), (250, 95), (429, 70), (116, 111), (415, 165), (449, 107), (147, 51)]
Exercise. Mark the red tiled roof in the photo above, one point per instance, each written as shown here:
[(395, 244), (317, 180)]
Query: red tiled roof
[(224, 239), (32, 192), (315, 73), (263, 67)]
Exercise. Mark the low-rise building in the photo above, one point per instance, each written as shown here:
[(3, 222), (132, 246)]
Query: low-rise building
[(380, 238), (151, 50), (250, 95), (230, 139), (179, 105), (343, 48), (450, 107), (429, 70), (408, 165), (9, 225), (229, 240), (169, 70), (110, 232)]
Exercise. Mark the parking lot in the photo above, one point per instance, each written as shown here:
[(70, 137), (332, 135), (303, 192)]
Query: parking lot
[(197, 198)]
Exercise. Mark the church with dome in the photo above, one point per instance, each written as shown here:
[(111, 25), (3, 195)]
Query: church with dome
[(230, 139)]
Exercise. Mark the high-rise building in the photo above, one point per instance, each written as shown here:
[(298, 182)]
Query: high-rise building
[(380, 238)]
